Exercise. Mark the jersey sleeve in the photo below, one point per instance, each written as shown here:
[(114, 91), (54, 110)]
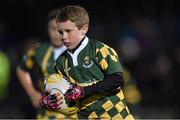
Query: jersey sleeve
[(28, 60), (108, 59)]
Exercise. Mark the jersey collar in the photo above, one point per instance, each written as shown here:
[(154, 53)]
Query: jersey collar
[(81, 45), (73, 50)]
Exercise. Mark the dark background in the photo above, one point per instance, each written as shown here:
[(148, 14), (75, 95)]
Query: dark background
[(145, 34)]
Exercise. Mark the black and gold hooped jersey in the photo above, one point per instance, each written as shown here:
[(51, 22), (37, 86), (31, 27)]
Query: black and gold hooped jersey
[(87, 65)]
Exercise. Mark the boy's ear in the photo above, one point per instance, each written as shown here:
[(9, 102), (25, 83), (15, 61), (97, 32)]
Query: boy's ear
[(84, 29)]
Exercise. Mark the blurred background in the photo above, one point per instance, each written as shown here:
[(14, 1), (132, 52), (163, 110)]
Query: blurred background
[(145, 34)]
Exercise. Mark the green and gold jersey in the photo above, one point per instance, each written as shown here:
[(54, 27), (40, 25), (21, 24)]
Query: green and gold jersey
[(39, 60), (90, 63)]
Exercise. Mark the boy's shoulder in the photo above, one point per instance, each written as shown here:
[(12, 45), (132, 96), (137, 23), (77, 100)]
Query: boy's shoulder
[(40, 48), (96, 43), (42, 45)]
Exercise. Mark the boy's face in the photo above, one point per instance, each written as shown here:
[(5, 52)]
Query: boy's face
[(55, 37), (71, 35)]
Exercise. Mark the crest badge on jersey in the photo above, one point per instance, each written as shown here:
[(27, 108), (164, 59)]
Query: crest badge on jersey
[(87, 63)]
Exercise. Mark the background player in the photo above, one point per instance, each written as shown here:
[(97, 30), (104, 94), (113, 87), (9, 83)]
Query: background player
[(36, 64)]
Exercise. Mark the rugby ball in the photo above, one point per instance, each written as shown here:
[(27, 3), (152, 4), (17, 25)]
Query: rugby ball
[(58, 83)]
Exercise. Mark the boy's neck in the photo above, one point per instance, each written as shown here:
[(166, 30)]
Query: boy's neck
[(74, 49)]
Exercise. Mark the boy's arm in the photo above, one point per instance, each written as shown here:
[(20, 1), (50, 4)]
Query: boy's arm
[(108, 85), (26, 82)]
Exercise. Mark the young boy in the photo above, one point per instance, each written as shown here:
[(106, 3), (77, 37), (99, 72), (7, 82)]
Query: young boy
[(92, 67)]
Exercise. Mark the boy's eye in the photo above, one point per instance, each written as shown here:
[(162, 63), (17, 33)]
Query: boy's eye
[(60, 32), (68, 31)]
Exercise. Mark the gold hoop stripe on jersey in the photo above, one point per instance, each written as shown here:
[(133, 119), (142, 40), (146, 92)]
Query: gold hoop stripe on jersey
[(45, 60)]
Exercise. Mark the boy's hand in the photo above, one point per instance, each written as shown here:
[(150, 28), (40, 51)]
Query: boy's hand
[(75, 93), (53, 101)]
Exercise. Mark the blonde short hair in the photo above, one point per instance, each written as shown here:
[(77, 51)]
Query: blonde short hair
[(74, 13)]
